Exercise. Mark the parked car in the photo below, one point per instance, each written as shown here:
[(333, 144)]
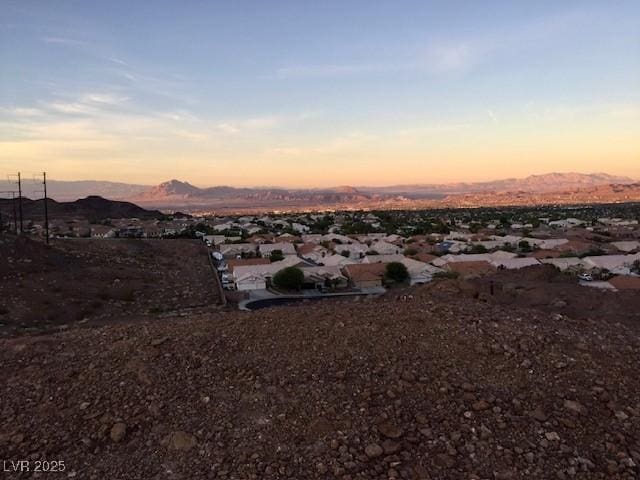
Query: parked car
[(585, 277)]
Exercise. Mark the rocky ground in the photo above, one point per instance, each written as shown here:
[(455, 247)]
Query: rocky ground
[(99, 281), (547, 289), (438, 386)]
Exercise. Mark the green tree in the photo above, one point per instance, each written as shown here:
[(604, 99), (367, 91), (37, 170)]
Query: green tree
[(524, 246), (478, 248), (396, 272), (276, 255), (290, 278)]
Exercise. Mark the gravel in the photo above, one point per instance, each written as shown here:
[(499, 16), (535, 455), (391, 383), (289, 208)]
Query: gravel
[(430, 388)]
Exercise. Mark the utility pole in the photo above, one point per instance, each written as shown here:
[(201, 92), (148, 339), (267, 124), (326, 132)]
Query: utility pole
[(20, 203), (46, 210), (15, 217), (45, 200)]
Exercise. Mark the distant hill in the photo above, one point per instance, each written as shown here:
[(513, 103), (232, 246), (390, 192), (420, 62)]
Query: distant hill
[(68, 191), (92, 208)]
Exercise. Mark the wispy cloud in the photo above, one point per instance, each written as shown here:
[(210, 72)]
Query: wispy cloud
[(462, 53), (87, 103), (232, 127), (69, 42)]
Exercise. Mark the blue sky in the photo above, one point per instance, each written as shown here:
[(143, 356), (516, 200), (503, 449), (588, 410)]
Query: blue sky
[(319, 93)]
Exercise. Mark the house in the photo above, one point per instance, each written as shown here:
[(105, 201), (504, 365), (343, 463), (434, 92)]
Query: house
[(336, 261), (250, 281), (515, 263), (385, 248), (214, 239), (243, 262), (576, 247), (231, 250), (286, 248), (419, 272), (102, 231), (471, 269), (319, 277), (567, 223), (550, 243), (540, 254), (312, 252), (252, 277), (336, 238), (287, 237), (354, 251), (300, 228), (619, 264), (565, 263), (424, 257), (627, 246), (473, 257), (312, 238), (365, 275)]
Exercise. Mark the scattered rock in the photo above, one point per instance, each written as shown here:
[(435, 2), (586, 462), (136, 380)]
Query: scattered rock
[(180, 441), (574, 407), (118, 432), (373, 450), (390, 430)]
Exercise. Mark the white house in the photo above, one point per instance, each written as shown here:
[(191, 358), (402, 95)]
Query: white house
[(300, 228), (336, 260), (230, 250), (619, 264), (385, 248), (419, 272), (565, 263), (252, 277), (286, 248), (627, 246), (355, 250)]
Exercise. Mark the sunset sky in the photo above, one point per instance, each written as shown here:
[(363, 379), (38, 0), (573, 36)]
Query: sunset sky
[(299, 93)]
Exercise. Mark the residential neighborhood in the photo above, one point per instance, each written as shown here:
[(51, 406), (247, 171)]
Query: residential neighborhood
[(350, 252), (601, 252)]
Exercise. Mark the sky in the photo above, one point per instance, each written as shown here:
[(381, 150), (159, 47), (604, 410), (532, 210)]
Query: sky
[(315, 94)]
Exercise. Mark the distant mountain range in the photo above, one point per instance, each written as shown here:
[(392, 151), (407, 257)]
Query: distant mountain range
[(549, 182), (175, 194)]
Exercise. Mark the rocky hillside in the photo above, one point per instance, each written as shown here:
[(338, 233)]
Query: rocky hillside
[(92, 207), (435, 387)]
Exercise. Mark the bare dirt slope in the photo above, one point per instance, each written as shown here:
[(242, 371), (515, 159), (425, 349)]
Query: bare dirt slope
[(547, 289), (435, 387), (96, 281)]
